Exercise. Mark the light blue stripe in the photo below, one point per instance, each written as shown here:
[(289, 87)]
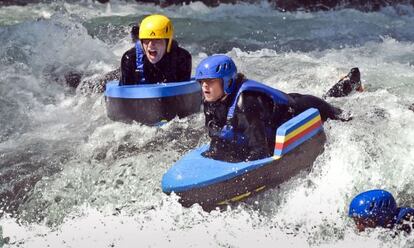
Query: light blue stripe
[(297, 121), (298, 142), (143, 91)]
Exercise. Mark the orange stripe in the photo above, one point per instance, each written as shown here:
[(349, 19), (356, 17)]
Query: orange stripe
[(280, 146), (297, 130)]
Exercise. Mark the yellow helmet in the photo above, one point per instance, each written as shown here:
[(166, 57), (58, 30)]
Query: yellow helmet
[(157, 27)]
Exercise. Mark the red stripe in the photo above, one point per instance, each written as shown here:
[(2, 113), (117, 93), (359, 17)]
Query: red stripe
[(280, 146)]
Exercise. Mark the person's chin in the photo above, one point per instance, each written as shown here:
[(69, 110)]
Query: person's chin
[(153, 60), (208, 98)]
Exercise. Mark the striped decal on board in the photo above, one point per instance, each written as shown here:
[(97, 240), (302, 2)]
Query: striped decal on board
[(297, 130)]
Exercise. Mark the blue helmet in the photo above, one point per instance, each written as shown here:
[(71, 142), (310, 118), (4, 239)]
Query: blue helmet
[(218, 66), (377, 204)]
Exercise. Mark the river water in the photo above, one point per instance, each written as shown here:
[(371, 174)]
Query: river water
[(70, 177)]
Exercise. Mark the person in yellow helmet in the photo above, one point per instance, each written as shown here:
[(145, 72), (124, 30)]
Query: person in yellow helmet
[(156, 56)]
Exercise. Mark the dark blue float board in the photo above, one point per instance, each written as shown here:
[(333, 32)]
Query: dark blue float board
[(144, 91), (195, 171), (151, 104)]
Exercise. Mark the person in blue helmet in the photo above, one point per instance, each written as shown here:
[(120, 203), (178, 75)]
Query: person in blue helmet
[(242, 115), (377, 208)]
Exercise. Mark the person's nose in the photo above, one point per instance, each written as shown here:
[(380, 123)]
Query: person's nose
[(151, 43), (204, 85)]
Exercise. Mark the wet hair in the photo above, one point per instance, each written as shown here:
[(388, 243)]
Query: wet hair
[(134, 33), (240, 78)]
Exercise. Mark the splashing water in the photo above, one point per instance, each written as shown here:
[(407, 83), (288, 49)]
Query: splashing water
[(70, 177)]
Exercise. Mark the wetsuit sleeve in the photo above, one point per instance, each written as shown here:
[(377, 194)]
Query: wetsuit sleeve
[(346, 84), (128, 68), (327, 111), (340, 89), (184, 65)]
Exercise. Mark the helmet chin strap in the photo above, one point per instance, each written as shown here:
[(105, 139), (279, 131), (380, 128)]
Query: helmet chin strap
[(167, 42), (230, 85), (225, 94), (140, 60)]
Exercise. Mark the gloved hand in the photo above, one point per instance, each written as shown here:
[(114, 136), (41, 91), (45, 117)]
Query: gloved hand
[(228, 133)]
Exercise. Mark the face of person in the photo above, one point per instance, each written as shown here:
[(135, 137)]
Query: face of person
[(154, 49), (362, 223), (212, 89)]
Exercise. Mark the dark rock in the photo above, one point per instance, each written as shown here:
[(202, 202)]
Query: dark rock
[(210, 3), (312, 5), (63, 74), (411, 107), (58, 199), (97, 84), (317, 5), (17, 2), (26, 2), (298, 5), (13, 197), (73, 79), (283, 5)]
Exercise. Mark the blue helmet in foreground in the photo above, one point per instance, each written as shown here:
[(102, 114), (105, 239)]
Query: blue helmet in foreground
[(377, 204), (218, 66)]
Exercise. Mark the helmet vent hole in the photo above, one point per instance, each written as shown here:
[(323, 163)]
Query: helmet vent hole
[(371, 206), (218, 68)]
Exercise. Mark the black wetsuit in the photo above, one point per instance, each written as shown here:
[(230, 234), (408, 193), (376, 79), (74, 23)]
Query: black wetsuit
[(174, 66), (346, 85), (256, 118)]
